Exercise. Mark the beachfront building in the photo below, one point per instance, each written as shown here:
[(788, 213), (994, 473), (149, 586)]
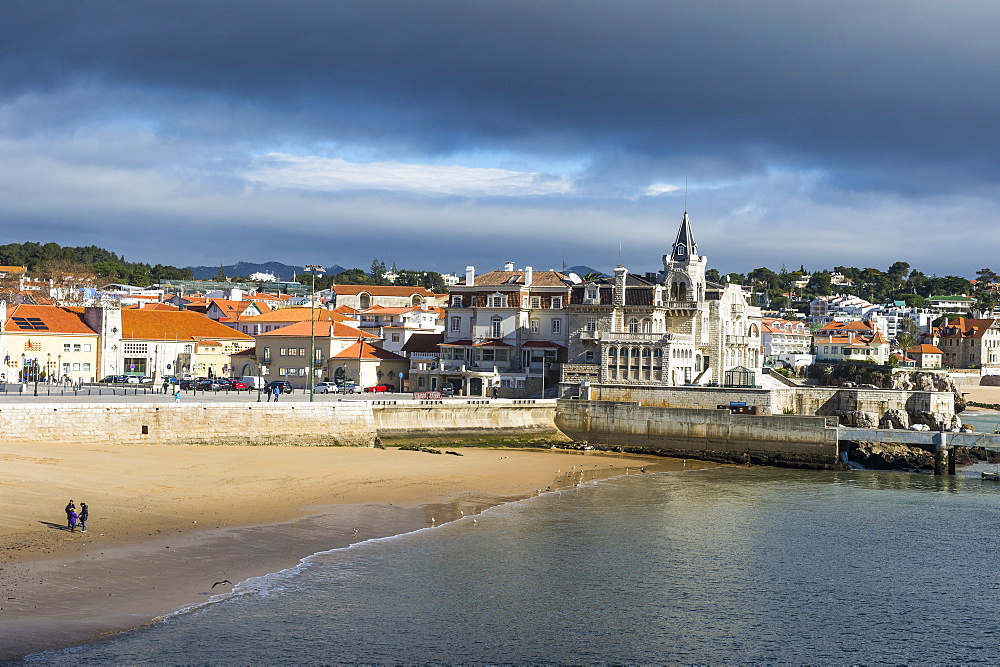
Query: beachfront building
[(343, 353), (859, 340), (926, 356), (505, 334), (47, 344), (660, 329), (154, 343), (786, 342), (255, 325), (395, 325), (969, 343)]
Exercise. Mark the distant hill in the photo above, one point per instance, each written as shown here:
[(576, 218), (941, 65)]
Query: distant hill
[(580, 270), (284, 272)]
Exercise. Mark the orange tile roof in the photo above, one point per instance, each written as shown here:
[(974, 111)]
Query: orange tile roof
[(175, 325), (322, 329), (57, 320), (367, 351), (538, 279), (855, 325), (385, 310), (297, 314), (12, 269), (966, 328), (924, 348)]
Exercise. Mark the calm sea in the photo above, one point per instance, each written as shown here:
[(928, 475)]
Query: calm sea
[(729, 565)]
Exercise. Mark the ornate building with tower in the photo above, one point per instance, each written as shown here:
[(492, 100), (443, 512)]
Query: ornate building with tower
[(668, 328)]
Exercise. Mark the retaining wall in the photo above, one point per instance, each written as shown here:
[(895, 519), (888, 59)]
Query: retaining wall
[(819, 401), (351, 423), (714, 435)]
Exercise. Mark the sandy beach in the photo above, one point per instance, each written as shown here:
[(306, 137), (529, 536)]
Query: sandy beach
[(166, 523), (980, 394)]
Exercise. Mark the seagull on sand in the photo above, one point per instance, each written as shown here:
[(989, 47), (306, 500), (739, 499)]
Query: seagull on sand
[(224, 581)]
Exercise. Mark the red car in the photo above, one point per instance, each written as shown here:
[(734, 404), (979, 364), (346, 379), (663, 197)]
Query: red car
[(239, 385), (381, 387)]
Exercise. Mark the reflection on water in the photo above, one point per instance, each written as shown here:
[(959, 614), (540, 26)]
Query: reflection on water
[(717, 566)]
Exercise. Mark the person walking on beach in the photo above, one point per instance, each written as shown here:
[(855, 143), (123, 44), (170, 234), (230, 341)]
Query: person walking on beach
[(84, 515), (73, 519), (70, 507)]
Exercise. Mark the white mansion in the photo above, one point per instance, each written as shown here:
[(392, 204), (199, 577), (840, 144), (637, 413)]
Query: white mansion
[(662, 329)]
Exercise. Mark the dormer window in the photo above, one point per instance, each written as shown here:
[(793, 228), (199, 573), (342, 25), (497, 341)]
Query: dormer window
[(498, 301), (456, 300), (557, 302)]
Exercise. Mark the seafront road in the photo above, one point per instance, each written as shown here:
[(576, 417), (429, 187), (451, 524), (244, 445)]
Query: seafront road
[(12, 394)]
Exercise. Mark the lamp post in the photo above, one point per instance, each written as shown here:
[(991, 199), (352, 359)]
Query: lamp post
[(312, 269), (34, 365)]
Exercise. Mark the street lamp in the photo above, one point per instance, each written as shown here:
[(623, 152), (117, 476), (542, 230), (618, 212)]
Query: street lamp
[(312, 269)]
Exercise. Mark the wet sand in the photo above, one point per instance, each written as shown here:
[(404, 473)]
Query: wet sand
[(168, 522)]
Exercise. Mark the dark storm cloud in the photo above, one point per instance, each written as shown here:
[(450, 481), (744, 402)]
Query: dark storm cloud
[(857, 87)]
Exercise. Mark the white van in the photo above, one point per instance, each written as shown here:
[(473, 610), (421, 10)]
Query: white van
[(253, 381)]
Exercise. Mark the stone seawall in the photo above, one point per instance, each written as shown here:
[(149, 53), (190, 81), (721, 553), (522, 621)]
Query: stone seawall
[(714, 435), (349, 423), (821, 401)]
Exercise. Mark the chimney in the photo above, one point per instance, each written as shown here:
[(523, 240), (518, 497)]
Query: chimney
[(528, 275), (508, 266), (470, 276), (619, 294)]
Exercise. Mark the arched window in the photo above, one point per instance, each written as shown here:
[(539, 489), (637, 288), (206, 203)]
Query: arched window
[(647, 325), (364, 301), (416, 300), (645, 353), (633, 325), (495, 327)]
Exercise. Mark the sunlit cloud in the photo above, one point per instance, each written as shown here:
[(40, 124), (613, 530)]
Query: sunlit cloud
[(280, 170)]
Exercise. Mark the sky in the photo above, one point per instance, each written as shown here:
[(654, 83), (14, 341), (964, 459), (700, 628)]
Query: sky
[(437, 135)]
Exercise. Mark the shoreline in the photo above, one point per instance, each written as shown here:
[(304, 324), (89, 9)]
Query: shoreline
[(70, 589)]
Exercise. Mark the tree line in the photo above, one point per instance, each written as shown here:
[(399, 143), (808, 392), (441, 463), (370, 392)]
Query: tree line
[(899, 283)]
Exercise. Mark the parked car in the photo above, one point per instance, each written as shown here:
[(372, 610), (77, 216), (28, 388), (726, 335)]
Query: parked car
[(286, 386), (325, 388), (213, 384), (447, 390), (113, 379), (239, 385), (381, 387), (349, 388), (189, 383)]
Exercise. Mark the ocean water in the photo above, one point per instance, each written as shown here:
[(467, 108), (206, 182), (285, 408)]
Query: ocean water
[(728, 565)]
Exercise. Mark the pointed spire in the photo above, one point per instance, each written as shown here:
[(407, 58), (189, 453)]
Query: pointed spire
[(684, 246)]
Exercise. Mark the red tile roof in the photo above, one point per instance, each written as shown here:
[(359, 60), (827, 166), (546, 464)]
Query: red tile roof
[(56, 320), (382, 290), (367, 351), (322, 329), (175, 325)]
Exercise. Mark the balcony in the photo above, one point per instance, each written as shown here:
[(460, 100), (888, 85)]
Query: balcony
[(590, 335), (742, 340), (658, 338), (680, 305)]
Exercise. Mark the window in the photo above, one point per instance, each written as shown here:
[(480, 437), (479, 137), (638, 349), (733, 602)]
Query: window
[(283, 352), (65, 347), (591, 325), (76, 367), (590, 356), (536, 302), (487, 354), (395, 338), (266, 354), (498, 301), (86, 347), (556, 326), (557, 302), (282, 371), (456, 300), (633, 325), (535, 326), (86, 366), (134, 348), (496, 328), (591, 294), (456, 324)]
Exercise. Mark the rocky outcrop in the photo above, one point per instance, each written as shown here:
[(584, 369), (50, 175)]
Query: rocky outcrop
[(884, 456), (895, 419), (926, 381), (858, 419)]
